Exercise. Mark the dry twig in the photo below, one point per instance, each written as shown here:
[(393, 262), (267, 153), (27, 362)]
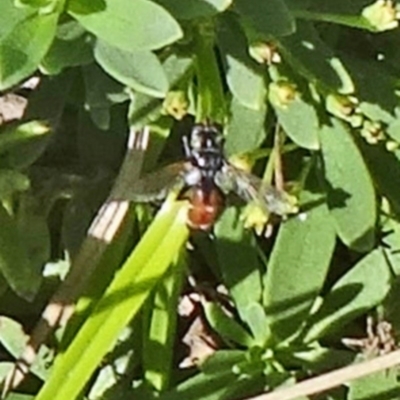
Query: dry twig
[(333, 379)]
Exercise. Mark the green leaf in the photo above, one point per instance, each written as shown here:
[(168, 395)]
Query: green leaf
[(190, 9), (67, 53), (213, 383), (359, 290), (226, 326), (176, 67), (140, 70), (267, 17), (298, 118), (128, 25), (238, 259), (393, 130), (15, 264), (380, 161), (16, 134), (245, 129), (19, 396), (244, 76), (22, 49), (12, 181), (120, 303), (311, 57), (11, 16), (351, 195), (255, 317), (297, 269), (158, 344), (381, 385), (316, 358)]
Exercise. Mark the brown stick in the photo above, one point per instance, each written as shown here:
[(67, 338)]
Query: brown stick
[(279, 179), (332, 379), (101, 232)]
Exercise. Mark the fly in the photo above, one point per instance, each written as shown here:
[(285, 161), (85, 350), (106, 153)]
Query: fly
[(206, 176)]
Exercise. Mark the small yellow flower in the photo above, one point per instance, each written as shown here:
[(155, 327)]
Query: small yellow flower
[(382, 15), (282, 93), (255, 217), (176, 104)]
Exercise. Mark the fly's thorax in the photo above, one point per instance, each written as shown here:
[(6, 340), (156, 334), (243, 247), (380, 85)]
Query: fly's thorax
[(207, 160), (192, 176)]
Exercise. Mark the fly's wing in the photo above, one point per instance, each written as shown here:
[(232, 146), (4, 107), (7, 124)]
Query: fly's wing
[(156, 185), (251, 188)]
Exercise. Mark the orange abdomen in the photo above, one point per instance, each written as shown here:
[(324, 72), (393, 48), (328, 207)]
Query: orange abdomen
[(204, 208)]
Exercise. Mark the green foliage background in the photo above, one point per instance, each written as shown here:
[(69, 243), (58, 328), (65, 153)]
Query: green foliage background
[(325, 71)]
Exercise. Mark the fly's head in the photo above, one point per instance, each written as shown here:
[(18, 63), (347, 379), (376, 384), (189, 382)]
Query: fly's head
[(204, 148)]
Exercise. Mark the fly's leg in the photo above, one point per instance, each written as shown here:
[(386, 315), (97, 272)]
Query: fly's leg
[(186, 147)]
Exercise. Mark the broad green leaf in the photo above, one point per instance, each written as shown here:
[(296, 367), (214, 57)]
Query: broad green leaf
[(12, 181), (128, 25), (120, 303), (15, 264), (391, 245), (190, 9), (380, 161), (267, 17), (359, 290), (317, 358), (351, 195), (245, 78), (393, 130), (22, 49), (238, 259), (140, 70), (255, 318), (67, 53), (145, 109), (381, 385), (16, 134), (226, 326), (213, 383), (298, 117), (245, 130), (297, 269), (176, 67), (11, 16), (311, 57)]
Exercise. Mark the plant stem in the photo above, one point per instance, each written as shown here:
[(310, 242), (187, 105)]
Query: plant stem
[(210, 101)]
